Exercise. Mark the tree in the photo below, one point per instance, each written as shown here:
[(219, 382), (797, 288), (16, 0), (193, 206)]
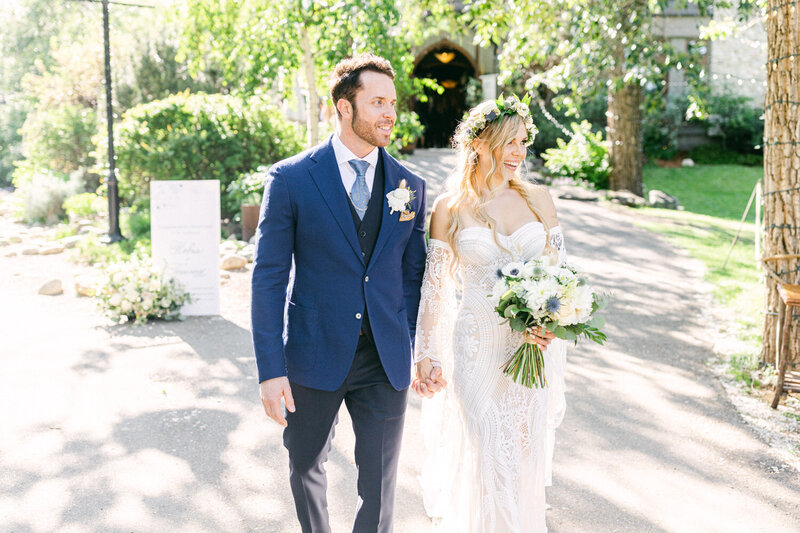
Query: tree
[(578, 48), (781, 164), (261, 44)]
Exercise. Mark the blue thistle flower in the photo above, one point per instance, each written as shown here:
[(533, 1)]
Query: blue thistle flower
[(553, 304)]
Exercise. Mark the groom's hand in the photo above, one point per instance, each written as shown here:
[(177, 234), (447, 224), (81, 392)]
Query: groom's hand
[(429, 379), (272, 390)]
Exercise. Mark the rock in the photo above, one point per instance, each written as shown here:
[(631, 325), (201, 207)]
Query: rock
[(11, 253), (83, 230), (233, 262), (228, 248), (224, 275), (32, 250), (51, 288), (232, 237), (84, 286), (15, 239), (70, 242), (663, 200), (579, 194), (4, 242), (252, 240), (248, 252), (627, 198), (687, 162), (51, 249)]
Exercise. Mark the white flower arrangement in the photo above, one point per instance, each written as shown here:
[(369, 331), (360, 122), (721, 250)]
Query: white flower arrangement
[(512, 105), (541, 293), (135, 291)]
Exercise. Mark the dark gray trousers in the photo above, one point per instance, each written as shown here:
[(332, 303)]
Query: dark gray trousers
[(377, 411)]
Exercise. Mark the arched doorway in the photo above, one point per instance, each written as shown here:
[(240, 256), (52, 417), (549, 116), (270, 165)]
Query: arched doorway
[(442, 112)]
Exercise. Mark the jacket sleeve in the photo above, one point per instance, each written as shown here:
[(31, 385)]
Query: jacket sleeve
[(414, 262), (272, 264)]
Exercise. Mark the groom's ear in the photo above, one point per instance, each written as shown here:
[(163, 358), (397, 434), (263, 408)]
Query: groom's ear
[(345, 108)]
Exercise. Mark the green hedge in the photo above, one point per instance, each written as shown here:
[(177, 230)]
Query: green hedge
[(199, 136)]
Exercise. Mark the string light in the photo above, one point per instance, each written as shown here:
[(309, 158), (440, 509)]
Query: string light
[(781, 190), (776, 102), (775, 143), (779, 7), (788, 56)]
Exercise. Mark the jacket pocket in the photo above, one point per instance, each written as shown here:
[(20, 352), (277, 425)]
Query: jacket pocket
[(301, 337)]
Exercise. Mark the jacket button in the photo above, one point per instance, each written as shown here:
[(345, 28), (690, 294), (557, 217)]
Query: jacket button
[(363, 233), (366, 279), (358, 316)]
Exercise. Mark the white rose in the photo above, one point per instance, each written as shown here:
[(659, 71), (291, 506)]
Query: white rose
[(126, 306), (118, 278), (115, 300), (398, 199), (521, 108), (147, 303), (155, 285)]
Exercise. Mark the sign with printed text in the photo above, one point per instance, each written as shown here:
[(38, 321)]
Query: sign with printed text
[(185, 233)]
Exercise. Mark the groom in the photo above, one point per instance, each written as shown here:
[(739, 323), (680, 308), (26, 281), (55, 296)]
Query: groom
[(351, 221)]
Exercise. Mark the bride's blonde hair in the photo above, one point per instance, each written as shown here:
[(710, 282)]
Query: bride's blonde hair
[(467, 192)]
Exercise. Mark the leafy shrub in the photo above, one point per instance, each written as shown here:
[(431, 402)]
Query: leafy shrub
[(249, 187), (43, 193), (584, 158), (661, 124), (136, 291), (736, 125), (135, 222), (199, 136), (714, 154), (12, 117), (60, 138), (85, 204), (406, 130)]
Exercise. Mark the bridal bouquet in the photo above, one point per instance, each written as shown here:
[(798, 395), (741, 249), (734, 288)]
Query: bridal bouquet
[(540, 293)]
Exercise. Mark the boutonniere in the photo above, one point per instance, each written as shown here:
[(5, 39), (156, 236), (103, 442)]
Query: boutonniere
[(400, 200)]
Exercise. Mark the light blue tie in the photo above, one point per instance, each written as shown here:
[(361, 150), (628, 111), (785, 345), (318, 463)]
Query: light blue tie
[(359, 193)]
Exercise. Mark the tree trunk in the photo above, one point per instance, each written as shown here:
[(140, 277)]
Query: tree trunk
[(781, 166), (312, 110), (624, 138)]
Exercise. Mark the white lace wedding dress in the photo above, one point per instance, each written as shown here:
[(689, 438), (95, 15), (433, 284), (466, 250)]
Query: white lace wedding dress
[(489, 440)]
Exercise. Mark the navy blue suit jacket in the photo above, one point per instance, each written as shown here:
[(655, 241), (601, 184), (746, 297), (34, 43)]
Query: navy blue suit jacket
[(310, 331)]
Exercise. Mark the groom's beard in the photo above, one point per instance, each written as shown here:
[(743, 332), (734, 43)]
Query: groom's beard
[(368, 132)]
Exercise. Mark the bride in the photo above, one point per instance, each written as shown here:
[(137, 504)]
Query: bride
[(489, 440)]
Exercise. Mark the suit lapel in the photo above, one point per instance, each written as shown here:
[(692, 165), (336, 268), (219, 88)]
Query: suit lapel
[(329, 182), (388, 221)]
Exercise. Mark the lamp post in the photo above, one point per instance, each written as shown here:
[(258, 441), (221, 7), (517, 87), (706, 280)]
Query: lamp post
[(114, 234)]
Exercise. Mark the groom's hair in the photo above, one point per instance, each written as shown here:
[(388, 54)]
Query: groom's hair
[(346, 78)]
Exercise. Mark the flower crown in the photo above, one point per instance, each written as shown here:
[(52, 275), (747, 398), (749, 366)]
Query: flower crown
[(477, 122)]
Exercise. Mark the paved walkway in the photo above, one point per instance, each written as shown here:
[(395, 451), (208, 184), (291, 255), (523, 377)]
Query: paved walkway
[(152, 429)]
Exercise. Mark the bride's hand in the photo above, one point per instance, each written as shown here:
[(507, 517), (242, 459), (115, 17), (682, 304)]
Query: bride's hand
[(429, 379), (540, 336)]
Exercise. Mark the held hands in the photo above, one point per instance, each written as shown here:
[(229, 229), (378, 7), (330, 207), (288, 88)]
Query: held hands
[(429, 379), (272, 390), (539, 336)]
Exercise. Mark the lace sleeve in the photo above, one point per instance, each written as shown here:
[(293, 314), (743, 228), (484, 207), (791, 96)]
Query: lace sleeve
[(557, 242), (436, 305)]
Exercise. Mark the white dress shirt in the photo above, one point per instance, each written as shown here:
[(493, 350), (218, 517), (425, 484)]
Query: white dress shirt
[(344, 155)]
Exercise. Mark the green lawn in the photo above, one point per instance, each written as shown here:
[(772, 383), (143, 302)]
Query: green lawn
[(715, 190), (714, 198)]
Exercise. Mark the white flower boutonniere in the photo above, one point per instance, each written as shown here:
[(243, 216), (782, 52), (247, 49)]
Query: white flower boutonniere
[(400, 200)]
